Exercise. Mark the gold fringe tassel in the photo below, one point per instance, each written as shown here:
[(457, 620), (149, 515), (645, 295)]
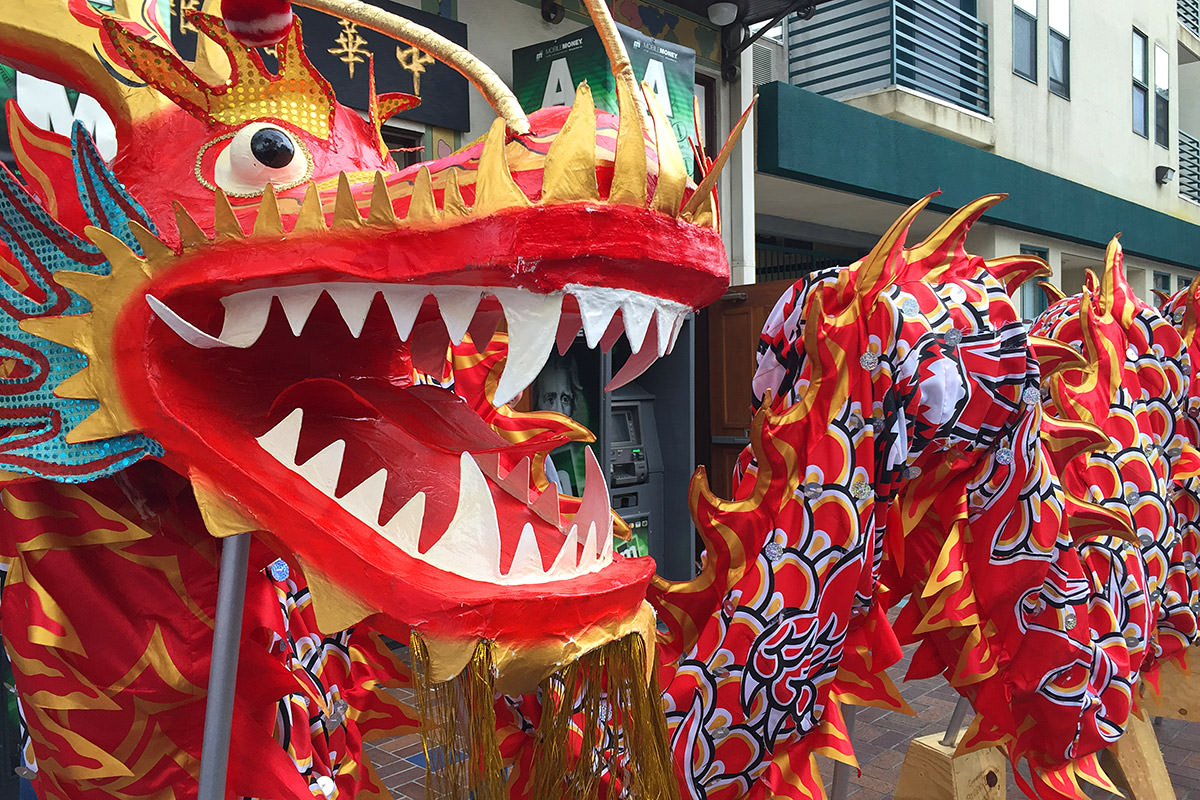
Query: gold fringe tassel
[(599, 714), (458, 731)]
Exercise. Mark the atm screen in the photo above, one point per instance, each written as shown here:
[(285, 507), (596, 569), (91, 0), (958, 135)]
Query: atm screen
[(625, 427)]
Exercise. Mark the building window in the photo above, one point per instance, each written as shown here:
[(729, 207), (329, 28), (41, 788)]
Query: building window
[(1025, 39), (406, 147), (1162, 104), (1141, 69), (1033, 299), (1058, 61), (1162, 282)]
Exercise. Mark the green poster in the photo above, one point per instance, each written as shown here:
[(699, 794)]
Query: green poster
[(546, 74)]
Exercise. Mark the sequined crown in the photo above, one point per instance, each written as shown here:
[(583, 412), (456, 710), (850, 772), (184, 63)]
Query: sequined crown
[(296, 93)]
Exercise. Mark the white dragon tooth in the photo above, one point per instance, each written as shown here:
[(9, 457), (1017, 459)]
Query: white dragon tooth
[(470, 547), (366, 500), (282, 440), (298, 302), (606, 549), (354, 301), (457, 305), (404, 528), (245, 317), (516, 482), (489, 463), (675, 332), (531, 319), (547, 506), (182, 328), (568, 326), (636, 311), (596, 307), (638, 362), (667, 318), (615, 330), (404, 303), (323, 469), (566, 563), (594, 509), (591, 551), (527, 560)]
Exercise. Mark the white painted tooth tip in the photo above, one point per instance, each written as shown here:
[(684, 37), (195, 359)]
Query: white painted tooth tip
[(282, 439), (181, 327)]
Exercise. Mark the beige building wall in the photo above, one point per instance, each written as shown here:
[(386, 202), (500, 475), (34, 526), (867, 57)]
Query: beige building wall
[(1089, 138)]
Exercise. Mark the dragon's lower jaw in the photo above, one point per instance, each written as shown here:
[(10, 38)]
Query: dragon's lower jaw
[(400, 500)]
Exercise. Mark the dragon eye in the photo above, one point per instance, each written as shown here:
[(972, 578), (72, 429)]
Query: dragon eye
[(258, 154), (272, 147)]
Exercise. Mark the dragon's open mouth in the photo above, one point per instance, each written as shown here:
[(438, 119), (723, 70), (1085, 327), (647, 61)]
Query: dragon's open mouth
[(317, 375)]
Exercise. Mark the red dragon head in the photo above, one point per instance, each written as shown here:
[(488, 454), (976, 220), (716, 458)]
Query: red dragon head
[(249, 290)]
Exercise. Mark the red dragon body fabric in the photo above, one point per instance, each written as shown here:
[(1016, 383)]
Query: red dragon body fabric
[(251, 321)]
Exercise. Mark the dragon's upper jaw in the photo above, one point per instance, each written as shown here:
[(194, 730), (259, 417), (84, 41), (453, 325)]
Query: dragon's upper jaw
[(277, 374)]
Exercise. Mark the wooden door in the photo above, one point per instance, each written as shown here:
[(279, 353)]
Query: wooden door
[(734, 324)]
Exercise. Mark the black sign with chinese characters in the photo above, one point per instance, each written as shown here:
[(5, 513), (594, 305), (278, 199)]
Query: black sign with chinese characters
[(340, 51)]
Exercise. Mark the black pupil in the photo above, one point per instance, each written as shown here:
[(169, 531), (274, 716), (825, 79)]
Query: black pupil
[(272, 147)]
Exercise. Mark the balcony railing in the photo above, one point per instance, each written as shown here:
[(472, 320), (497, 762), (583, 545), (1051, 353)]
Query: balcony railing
[(931, 46), (1189, 15), (774, 262), (1189, 167)]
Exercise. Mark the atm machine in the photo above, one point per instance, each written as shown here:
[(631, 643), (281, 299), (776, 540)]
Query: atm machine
[(647, 431), (644, 441), (635, 469)]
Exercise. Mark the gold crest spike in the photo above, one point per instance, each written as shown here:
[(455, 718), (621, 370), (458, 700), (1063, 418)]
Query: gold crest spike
[(672, 172), (154, 248), (77, 387), (453, 204), (629, 167), (704, 190), (312, 216), (221, 516), (345, 210), (873, 275), (422, 207), (226, 225), (268, 223), (1015, 271), (334, 607), (495, 188), (570, 174), (381, 214), (115, 251), (211, 65), (1114, 285), (191, 235), (1051, 292), (951, 233), (1188, 328), (100, 424), (499, 96)]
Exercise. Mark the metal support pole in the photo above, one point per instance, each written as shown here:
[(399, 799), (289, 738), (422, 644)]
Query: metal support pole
[(222, 674), (956, 721), (841, 772)]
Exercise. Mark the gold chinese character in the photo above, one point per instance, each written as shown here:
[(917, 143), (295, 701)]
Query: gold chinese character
[(184, 6), (351, 46), (414, 60)]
